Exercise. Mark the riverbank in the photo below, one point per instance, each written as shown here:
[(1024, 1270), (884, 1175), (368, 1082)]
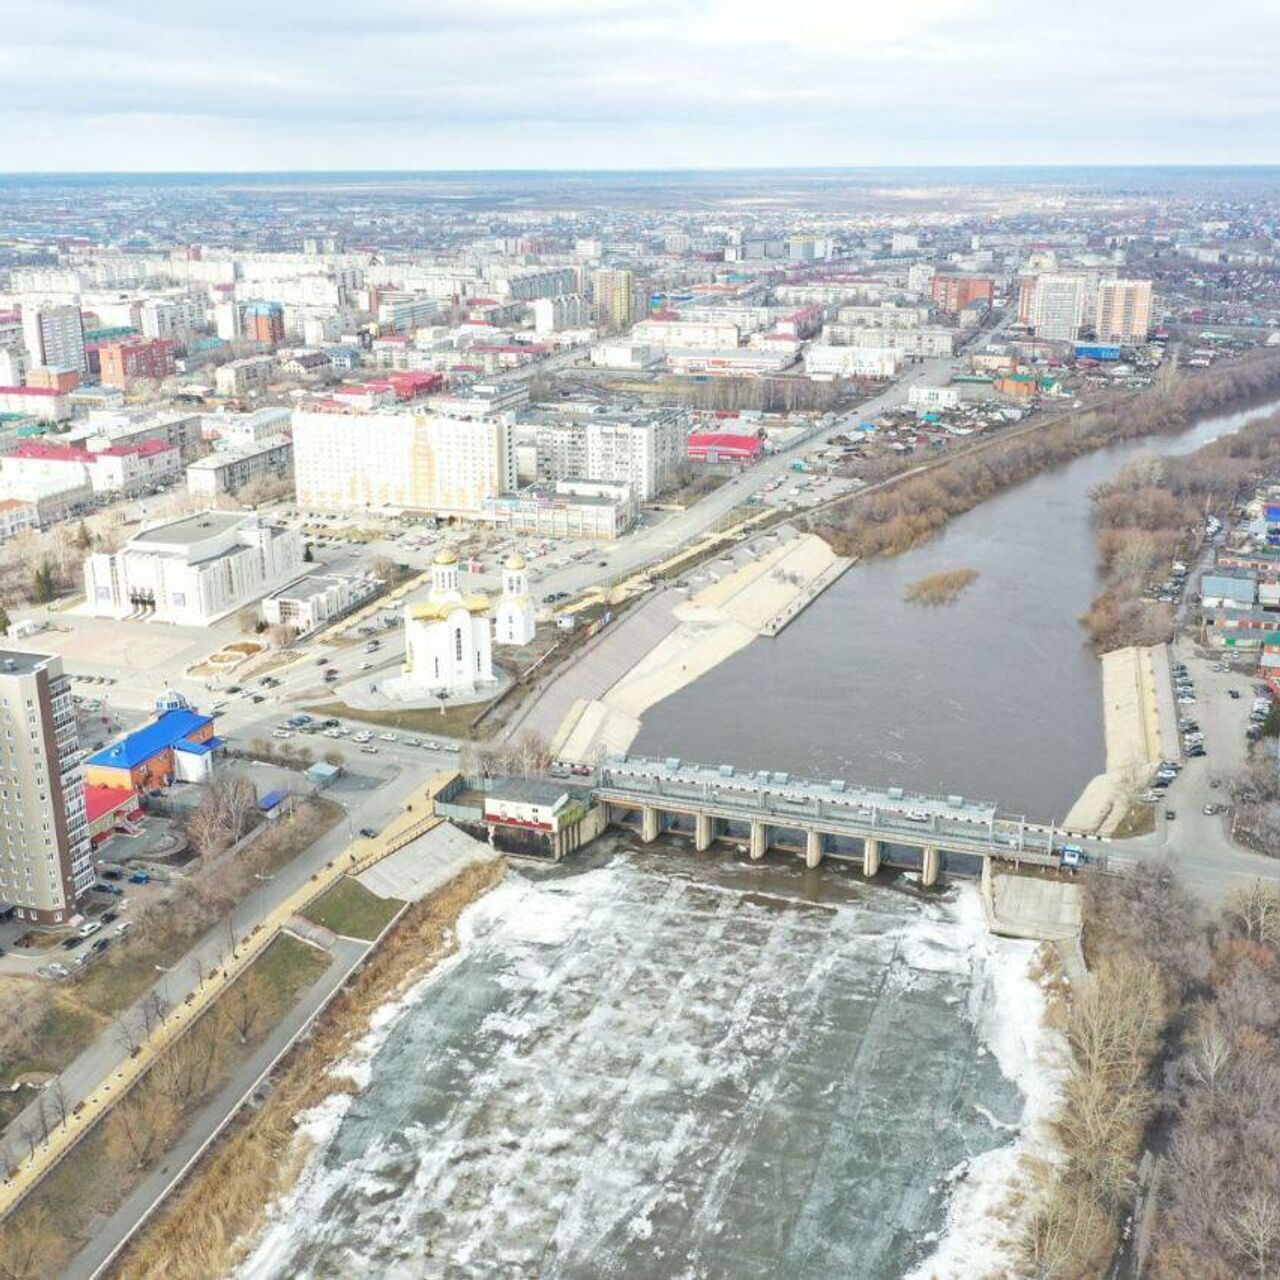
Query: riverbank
[(1141, 729), (765, 588), (210, 1223)]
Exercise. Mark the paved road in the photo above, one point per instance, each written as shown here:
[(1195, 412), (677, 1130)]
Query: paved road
[(111, 1234), (1199, 846)]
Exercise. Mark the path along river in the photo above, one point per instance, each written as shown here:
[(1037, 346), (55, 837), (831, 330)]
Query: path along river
[(995, 697)]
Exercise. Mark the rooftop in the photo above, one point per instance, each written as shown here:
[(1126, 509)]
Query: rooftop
[(21, 662), (166, 731), (205, 524)]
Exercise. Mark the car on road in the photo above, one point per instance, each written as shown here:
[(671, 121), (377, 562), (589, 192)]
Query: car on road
[(257, 697), (363, 736), (332, 733), (369, 749), (109, 917), (1210, 810), (387, 737), (282, 733), (1233, 694), (1170, 814), (69, 944), (368, 832), (366, 666)]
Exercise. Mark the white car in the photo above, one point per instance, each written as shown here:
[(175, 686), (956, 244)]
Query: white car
[(363, 736), (386, 737), (281, 733), (333, 733)]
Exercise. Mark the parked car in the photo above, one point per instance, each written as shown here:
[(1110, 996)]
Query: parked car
[(368, 832)]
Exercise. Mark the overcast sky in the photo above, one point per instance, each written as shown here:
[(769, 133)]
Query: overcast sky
[(477, 84)]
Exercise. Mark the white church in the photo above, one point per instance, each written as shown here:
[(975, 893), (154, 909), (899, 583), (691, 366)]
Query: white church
[(514, 623), (449, 637)]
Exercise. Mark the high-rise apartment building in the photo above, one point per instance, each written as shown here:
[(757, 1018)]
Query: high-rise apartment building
[(408, 461), (54, 336), (46, 859), (1123, 312), (173, 319), (263, 322), (618, 302), (1054, 305)]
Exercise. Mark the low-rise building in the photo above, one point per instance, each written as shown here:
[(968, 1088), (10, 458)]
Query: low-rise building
[(178, 745), (315, 601), (46, 404), (597, 509)]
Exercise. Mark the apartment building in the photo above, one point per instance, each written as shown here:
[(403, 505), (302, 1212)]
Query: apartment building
[(617, 299), (713, 335), (1053, 304), (46, 858), (913, 341), (644, 452), (121, 363), (228, 470), (401, 460), (551, 315), (954, 293), (175, 320), (253, 373), (115, 471), (54, 336), (263, 322), (1123, 312)]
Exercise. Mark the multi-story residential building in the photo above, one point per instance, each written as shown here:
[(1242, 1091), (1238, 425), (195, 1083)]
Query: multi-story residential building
[(642, 451), (121, 363), (883, 315), (114, 471), (843, 361), (916, 341), (617, 299), (173, 319), (46, 857), (103, 428), (54, 336), (1053, 304), (1123, 312), (193, 571), (229, 470), (401, 460), (238, 429), (253, 373), (263, 322), (715, 335), (954, 293), (551, 315)]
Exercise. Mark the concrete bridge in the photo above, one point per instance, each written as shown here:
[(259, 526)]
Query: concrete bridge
[(836, 819)]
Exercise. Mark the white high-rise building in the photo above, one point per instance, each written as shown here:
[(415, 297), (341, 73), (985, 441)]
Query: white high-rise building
[(54, 337), (176, 319), (46, 859), (404, 461), (1058, 305)]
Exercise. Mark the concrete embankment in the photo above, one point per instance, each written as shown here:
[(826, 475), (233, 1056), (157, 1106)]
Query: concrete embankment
[(756, 598), (1141, 729)]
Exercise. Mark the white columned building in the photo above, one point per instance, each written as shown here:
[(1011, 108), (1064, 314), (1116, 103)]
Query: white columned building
[(514, 622), (448, 642)]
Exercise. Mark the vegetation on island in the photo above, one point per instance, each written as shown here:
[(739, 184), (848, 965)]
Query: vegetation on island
[(940, 588)]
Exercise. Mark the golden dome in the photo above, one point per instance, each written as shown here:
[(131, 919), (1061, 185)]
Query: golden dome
[(516, 561), (446, 555)]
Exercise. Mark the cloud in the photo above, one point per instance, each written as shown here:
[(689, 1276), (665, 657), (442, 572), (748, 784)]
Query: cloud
[(619, 84)]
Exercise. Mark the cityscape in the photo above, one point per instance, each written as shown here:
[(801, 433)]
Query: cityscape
[(638, 703)]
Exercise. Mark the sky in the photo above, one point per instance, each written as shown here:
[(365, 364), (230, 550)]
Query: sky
[(615, 84)]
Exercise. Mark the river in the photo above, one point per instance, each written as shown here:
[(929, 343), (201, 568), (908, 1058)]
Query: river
[(644, 1064), (995, 697)]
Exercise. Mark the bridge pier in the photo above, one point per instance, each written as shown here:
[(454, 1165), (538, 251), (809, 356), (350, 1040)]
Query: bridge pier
[(870, 857), (648, 824), (930, 863), (759, 840), (704, 829), (813, 849)]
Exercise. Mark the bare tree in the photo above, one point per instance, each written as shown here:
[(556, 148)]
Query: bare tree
[(22, 1241), (1255, 1229), (1254, 911)]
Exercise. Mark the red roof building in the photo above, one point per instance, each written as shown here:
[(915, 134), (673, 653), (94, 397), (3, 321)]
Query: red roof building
[(723, 446)]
